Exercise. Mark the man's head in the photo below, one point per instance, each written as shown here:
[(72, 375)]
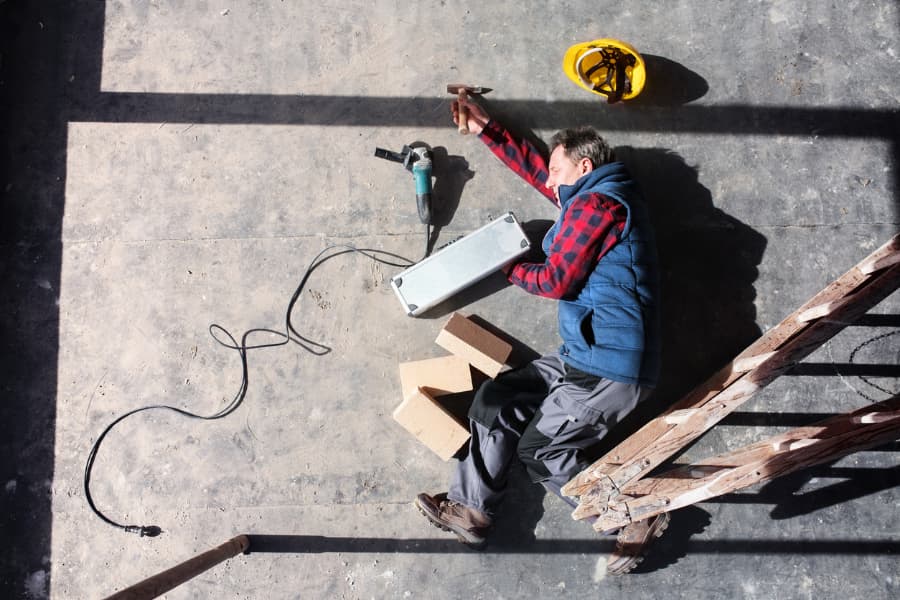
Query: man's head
[(575, 153)]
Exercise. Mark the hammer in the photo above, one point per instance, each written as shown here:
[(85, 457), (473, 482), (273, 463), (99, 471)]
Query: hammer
[(461, 89)]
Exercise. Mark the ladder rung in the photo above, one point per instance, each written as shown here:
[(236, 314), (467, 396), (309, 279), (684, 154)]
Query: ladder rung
[(871, 266), (677, 417), (788, 445), (822, 310), (742, 365), (701, 471), (876, 417)]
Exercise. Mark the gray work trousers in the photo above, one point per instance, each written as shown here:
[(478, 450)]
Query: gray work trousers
[(546, 414)]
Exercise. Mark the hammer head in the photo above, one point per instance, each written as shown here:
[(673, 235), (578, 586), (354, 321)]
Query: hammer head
[(456, 88)]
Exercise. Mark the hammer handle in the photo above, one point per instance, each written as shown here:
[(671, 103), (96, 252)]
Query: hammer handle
[(463, 116)]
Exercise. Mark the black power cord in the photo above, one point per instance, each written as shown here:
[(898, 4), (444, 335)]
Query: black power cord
[(290, 334)]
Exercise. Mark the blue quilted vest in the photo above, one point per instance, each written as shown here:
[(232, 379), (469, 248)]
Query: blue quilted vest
[(611, 328)]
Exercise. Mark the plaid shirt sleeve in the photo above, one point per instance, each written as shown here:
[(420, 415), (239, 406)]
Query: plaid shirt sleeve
[(591, 227), (519, 155)]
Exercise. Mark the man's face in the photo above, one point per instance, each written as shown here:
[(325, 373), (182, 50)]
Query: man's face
[(564, 170)]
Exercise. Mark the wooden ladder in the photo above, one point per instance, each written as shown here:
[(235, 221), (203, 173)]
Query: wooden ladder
[(616, 488)]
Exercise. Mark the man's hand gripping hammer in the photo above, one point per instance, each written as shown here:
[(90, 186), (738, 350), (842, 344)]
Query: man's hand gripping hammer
[(461, 90)]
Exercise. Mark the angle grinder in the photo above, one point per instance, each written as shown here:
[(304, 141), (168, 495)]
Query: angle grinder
[(417, 161)]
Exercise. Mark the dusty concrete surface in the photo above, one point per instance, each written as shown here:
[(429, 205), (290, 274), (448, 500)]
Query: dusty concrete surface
[(169, 165)]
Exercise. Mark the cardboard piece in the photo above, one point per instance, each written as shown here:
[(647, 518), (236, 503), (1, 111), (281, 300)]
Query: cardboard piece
[(438, 376), (481, 348), (431, 424)]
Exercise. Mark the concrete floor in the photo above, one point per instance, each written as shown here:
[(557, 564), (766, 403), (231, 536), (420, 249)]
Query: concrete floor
[(169, 165)]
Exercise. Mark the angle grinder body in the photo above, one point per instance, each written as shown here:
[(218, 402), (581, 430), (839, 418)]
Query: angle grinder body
[(418, 161)]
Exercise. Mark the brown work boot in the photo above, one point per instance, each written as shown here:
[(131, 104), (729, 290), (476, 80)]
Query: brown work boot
[(632, 543), (469, 525)]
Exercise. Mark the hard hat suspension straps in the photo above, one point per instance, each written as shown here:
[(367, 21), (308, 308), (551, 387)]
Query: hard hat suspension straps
[(616, 82)]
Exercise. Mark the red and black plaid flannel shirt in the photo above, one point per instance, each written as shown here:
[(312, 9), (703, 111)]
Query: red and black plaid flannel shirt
[(590, 228)]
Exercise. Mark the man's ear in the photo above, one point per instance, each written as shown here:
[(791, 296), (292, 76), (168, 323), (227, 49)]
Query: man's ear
[(585, 165)]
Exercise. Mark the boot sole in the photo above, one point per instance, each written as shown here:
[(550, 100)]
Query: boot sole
[(629, 564), (465, 537)]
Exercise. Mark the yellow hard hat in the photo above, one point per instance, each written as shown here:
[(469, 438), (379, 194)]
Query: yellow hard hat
[(606, 67)]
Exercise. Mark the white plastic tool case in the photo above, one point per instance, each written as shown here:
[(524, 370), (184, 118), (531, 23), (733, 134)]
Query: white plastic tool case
[(460, 264)]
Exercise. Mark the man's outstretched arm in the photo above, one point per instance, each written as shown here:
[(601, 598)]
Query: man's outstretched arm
[(520, 155)]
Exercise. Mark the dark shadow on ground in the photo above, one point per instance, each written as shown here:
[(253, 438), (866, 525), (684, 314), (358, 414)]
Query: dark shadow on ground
[(33, 128), (669, 83), (451, 173), (313, 544)]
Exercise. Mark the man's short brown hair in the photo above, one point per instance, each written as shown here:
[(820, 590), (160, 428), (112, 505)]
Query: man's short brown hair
[(583, 142)]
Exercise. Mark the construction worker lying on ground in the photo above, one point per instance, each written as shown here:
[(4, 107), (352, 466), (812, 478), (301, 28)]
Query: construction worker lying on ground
[(601, 266)]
